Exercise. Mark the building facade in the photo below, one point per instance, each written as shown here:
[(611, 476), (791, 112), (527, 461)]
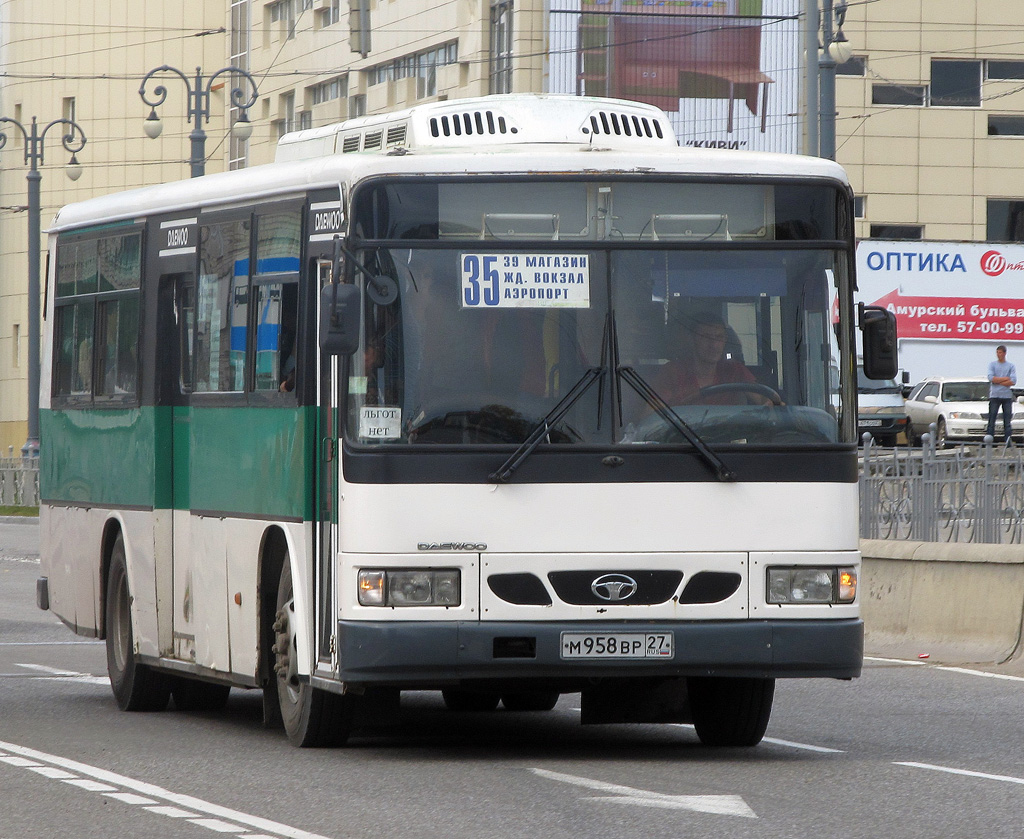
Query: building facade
[(84, 62), (931, 119)]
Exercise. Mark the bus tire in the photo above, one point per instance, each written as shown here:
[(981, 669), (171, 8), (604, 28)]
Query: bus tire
[(194, 695), (136, 687), (460, 699), (530, 700), (730, 711), (312, 718)]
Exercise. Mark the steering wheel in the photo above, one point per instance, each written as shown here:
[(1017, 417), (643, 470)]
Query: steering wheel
[(743, 387)]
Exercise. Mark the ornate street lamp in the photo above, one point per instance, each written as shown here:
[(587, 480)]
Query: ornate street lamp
[(73, 141), (199, 108), (836, 50)]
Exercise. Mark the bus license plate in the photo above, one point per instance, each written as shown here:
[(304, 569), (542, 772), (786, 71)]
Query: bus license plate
[(617, 645), (870, 423)]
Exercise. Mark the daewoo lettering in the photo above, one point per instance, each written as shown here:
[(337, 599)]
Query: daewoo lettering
[(451, 546)]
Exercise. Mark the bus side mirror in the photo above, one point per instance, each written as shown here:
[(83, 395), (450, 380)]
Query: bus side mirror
[(339, 319), (879, 328)]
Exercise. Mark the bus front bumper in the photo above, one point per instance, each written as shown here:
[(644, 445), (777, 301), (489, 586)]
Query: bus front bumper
[(424, 654)]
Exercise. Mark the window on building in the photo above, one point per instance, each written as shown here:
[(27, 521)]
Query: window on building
[(241, 25), (858, 206), (357, 105), (329, 14), (283, 12), (423, 65), (1005, 220), (897, 231), (336, 88), (855, 66), (16, 349), (897, 94), (1010, 70), (286, 121), (305, 120), (68, 108), (501, 47), (1005, 126), (955, 84)]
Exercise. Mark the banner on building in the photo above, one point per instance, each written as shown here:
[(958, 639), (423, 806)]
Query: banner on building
[(728, 72)]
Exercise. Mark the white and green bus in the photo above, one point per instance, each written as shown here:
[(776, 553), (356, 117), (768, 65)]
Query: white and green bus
[(507, 397)]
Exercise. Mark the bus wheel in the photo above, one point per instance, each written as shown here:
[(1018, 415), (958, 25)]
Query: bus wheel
[(312, 717), (530, 700), (137, 687), (730, 712), (193, 695), (459, 699)]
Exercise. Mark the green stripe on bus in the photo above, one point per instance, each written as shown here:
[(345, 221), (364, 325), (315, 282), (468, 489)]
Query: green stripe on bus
[(251, 461)]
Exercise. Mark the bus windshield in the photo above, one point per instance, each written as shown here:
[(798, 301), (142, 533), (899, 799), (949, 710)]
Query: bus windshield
[(484, 341)]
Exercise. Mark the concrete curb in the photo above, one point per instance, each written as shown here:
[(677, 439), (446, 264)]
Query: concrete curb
[(955, 603)]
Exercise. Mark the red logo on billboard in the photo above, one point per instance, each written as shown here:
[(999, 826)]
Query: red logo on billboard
[(993, 263)]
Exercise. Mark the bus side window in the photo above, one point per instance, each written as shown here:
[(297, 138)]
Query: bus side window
[(72, 353), (117, 341), (276, 336)]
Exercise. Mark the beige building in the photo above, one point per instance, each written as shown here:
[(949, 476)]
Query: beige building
[(931, 118), (84, 61), (931, 108)]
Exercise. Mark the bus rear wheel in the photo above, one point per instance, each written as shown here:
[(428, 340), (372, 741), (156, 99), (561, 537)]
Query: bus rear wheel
[(312, 717), (136, 687), (730, 711)]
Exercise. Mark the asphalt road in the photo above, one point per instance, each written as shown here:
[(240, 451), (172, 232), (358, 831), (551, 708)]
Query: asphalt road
[(908, 750)]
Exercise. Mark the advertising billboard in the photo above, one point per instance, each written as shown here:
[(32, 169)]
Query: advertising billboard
[(954, 301), (728, 72)]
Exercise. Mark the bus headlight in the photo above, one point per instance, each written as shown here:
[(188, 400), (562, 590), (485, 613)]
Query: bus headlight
[(812, 585), (410, 587)]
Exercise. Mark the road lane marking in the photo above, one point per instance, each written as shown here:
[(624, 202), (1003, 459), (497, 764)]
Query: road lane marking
[(91, 786), (150, 796), (948, 668), (722, 805), (806, 746), (789, 744), (983, 673), (55, 674), (1009, 779), (51, 643)]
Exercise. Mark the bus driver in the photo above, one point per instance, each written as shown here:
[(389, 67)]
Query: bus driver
[(680, 381)]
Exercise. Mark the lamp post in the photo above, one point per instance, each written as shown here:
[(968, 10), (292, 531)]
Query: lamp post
[(836, 50), (199, 108), (73, 141)]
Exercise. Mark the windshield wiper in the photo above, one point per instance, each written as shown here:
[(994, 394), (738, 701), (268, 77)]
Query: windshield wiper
[(665, 411), (503, 473)]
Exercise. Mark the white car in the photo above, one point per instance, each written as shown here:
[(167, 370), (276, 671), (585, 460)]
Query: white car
[(959, 409)]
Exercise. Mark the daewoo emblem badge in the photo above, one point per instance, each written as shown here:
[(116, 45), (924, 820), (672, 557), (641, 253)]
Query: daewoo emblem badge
[(614, 587)]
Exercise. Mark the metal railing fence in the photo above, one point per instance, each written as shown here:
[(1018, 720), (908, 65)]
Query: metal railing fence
[(19, 482), (967, 494)]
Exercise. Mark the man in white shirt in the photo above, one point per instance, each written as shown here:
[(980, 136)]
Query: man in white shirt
[(1002, 375)]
